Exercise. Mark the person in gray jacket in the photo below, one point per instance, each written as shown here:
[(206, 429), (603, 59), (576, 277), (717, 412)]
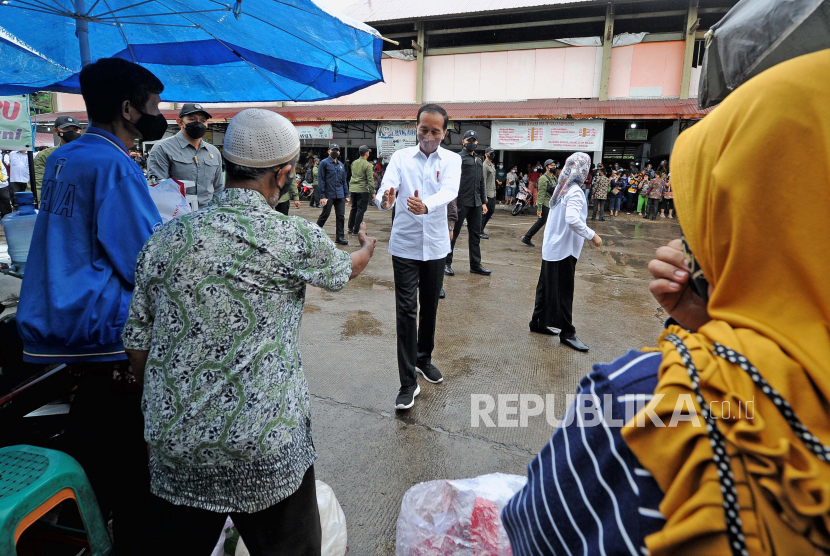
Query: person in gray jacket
[(489, 188), (187, 157)]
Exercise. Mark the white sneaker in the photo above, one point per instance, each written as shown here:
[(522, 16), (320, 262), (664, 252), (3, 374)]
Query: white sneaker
[(662, 215)]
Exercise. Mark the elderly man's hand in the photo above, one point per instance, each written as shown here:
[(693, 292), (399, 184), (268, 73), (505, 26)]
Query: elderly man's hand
[(366, 241), (671, 289), (416, 204)]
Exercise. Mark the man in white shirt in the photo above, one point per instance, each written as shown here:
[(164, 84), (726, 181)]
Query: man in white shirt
[(5, 200), (18, 172), (426, 179), (565, 233)]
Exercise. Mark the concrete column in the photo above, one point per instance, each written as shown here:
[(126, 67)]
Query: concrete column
[(419, 76), (607, 41), (689, 33)]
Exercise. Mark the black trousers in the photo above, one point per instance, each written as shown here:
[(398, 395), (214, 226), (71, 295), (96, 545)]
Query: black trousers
[(539, 222), (290, 527), (360, 201), (414, 281), (105, 433), (491, 208), (653, 208), (340, 212), (473, 216), (599, 204), (555, 296), (315, 197), (283, 207), (5, 201), (631, 198)]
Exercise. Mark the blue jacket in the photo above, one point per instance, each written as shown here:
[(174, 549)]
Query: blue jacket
[(331, 179), (95, 215)]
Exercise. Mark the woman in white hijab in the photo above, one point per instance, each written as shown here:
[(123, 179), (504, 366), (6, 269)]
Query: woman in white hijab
[(565, 233)]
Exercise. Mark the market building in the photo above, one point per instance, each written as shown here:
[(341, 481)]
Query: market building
[(616, 79)]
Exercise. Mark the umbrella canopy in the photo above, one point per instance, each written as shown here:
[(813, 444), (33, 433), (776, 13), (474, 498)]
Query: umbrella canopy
[(202, 50), (756, 35)]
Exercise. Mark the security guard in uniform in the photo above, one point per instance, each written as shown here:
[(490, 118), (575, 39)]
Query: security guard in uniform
[(333, 192), (472, 204), (186, 157), (545, 186)]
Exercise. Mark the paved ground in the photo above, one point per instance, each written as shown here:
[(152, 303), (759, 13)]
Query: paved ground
[(370, 453)]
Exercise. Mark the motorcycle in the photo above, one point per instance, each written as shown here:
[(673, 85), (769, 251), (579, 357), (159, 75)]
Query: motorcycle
[(523, 200), (305, 189)]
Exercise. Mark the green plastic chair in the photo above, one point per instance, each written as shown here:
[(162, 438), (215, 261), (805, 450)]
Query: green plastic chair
[(33, 481)]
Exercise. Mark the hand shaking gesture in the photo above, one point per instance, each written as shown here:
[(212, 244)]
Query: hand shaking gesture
[(416, 205), (388, 199)]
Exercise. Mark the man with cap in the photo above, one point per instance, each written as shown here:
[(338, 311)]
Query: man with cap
[(66, 130), (331, 179), (214, 332), (472, 204), (489, 187), (545, 188), (361, 187), (186, 157)]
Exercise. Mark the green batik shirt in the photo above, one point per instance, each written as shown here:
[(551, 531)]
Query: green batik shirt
[(218, 302)]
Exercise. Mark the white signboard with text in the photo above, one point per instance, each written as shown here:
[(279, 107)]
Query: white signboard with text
[(314, 131), (15, 126), (393, 136), (547, 135)]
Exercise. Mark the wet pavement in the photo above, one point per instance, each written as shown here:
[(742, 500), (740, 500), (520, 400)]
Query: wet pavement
[(369, 453)]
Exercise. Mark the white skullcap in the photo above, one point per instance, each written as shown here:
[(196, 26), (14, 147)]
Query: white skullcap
[(260, 139)]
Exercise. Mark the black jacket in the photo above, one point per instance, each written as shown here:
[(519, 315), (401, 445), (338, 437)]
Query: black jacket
[(471, 189)]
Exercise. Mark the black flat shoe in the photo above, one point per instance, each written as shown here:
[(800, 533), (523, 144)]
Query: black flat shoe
[(546, 330), (341, 241), (528, 242), (573, 342), (442, 295), (448, 270), (482, 235), (481, 270)]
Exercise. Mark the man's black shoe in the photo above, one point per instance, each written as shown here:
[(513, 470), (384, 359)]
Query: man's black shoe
[(448, 270), (482, 235), (430, 373), (573, 342), (481, 270), (546, 330), (406, 397), (601, 219), (527, 241), (442, 295), (341, 241), (351, 233)]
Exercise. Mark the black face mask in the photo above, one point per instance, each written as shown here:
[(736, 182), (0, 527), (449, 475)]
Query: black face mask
[(470, 147), (151, 128), (69, 136), (335, 155), (195, 130)]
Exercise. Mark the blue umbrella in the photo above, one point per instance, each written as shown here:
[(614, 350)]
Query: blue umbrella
[(203, 50)]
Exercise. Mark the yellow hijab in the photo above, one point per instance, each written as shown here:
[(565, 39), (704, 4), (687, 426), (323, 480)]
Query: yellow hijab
[(752, 190)]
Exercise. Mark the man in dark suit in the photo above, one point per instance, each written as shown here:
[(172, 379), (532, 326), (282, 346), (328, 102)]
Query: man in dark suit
[(472, 204), (331, 180)]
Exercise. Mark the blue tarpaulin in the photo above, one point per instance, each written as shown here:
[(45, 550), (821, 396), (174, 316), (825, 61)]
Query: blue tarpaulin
[(274, 50)]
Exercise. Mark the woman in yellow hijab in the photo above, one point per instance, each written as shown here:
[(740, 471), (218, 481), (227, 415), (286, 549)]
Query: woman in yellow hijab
[(742, 468)]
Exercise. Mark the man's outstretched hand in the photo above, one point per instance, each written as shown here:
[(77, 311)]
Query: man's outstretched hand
[(670, 286), (416, 205), (388, 199), (360, 258), (364, 240)]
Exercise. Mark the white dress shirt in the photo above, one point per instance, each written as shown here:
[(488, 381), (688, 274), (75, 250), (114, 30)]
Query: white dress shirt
[(566, 230), (423, 237), (19, 166)]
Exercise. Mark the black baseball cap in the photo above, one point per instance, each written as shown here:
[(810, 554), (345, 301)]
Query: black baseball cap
[(363, 150), (471, 135), (548, 162), (334, 147), (489, 150), (62, 122), (192, 108)]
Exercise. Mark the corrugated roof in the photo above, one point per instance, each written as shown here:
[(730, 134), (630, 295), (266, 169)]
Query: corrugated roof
[(536, 109), (375, 11)]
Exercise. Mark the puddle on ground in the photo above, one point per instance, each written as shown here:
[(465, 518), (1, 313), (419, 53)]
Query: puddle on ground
[(361, 322), (309, 308), (366, 282)]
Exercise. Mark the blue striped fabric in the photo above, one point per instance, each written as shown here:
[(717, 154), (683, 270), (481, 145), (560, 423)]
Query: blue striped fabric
[(586, 492)]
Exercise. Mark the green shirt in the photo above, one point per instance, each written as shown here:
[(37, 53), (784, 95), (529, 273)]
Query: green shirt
[(314, 173), (218, 302), (363, 180), (291, 191), (40, 165), (546, 182)]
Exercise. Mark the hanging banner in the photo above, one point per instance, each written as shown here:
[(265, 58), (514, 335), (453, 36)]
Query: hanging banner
[(394, 136), (547, 135), (314, 131), (15, 125)]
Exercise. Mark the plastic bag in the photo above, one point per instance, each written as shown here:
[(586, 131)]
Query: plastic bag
[(168, 195), (456, 518), (219, 550), (332, 522)]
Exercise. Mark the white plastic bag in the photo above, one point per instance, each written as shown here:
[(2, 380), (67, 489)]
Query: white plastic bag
[(456, 518), (220, 546), (168, 195), (332, 522)]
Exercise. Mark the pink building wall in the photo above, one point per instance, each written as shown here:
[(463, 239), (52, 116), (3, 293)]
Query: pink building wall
[(399, 85), (650, 69)]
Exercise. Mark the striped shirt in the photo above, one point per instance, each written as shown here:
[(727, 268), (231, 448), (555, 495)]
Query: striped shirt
[(586, 492)]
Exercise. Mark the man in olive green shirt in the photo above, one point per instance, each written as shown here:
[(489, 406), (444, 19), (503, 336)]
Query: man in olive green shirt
[(67, 130), (315, 194), (291, 194), (361, 188), (546, 185)]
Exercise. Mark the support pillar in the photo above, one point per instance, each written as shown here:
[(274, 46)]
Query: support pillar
[(607, 42), (419, 52), (688, 54)]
